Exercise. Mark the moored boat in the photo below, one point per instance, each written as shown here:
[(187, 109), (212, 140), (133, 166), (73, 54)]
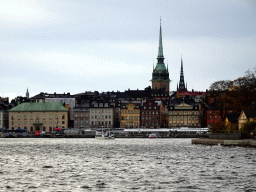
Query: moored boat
[(153, 135)]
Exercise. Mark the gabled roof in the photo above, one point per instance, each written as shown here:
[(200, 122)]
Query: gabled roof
[(48, 106)]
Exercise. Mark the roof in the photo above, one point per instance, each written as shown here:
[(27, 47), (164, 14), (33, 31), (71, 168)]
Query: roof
[(233, 117), (250, 113), (42, 106)]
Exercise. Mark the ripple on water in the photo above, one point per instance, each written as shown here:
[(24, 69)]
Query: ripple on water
[(124, 165)]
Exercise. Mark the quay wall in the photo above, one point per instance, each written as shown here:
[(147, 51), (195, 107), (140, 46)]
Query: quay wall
[(242, 143), (228, 136)]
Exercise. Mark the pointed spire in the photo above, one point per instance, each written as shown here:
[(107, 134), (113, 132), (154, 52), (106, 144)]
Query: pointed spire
[(181, 84), (27, 94), (160, 56)]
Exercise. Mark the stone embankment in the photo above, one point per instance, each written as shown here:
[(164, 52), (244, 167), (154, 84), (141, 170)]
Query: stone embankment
[(242, 143)]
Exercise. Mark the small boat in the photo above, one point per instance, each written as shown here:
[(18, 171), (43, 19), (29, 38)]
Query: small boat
[(104, 135), (153, 135)]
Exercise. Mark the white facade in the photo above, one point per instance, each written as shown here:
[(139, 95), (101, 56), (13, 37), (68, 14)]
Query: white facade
[(101, 117)]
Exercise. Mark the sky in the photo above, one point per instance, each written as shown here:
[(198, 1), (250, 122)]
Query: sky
[(108, 45)]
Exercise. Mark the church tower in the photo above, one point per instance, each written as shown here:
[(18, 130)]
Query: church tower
[(27, 94), (160, 76)]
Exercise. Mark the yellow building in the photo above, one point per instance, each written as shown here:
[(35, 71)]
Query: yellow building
[(184, 115), (130, 114), (38, 116)]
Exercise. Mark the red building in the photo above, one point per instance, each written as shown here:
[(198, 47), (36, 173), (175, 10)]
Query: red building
[(152, 114)]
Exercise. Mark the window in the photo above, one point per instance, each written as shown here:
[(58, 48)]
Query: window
[(56, 116), (18, 122), (50, 128), (31, 129), (63, 116), (43, 116), (43, 128), (25, 117), (75, 121), (19, 117), (37, 117), (31, 122), (25, 122), (81, 114), (80, 121), (31, 117), (43, 122), (63, 122), (50, 116)]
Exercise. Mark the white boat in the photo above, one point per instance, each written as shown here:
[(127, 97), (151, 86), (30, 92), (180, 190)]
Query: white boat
[(104, 135), (153, 135)]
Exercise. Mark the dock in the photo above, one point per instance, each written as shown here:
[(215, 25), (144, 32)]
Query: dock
[(241, 143)]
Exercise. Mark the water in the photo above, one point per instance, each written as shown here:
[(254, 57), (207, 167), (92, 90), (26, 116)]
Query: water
[(123, 165)]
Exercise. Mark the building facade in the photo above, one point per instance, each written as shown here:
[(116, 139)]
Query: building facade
[(130, 114), (82, 115), (184, 115), (38, 116), (101, 114), (152, 114)]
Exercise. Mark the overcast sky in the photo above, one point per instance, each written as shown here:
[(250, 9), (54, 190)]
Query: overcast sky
[(76, 46)]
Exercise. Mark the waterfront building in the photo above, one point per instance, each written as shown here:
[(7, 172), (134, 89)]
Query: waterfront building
[(246, 116), (184, 115), (152, 114), (82, 115), (130, 114), (160, 75), (101, 114), (43, 116)]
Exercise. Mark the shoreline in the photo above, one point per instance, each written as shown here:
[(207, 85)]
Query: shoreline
[(225, 142)]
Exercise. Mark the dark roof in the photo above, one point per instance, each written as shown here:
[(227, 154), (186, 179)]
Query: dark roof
[(250, 113), (233, 117)]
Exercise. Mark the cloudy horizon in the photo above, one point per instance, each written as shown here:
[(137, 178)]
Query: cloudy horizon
[(77, 46)]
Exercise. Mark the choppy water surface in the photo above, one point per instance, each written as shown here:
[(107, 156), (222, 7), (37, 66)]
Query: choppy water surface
[(124, 165)]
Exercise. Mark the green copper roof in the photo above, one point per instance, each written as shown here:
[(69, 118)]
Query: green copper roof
[(48, 106), (160, 68)]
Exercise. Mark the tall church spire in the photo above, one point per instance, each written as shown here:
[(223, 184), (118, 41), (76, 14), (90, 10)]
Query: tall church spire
[(160, 56), (160, 76), (182, 83)]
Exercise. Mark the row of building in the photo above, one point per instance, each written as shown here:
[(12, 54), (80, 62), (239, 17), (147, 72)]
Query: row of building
[(154, 107)]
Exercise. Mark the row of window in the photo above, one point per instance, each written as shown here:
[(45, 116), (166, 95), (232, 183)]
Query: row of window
[(37, 117), (100, 122), (185, 113), (81, 114), (32, 122), (101, 117), (130, 111), (181, 118), (130, 117), (82, 121), (149, 118), (149, 113), (101, 110)]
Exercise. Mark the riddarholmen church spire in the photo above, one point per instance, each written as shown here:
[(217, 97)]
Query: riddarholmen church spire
[(160, 76), (182, 83)]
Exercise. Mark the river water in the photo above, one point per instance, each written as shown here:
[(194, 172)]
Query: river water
[(46, 164)]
